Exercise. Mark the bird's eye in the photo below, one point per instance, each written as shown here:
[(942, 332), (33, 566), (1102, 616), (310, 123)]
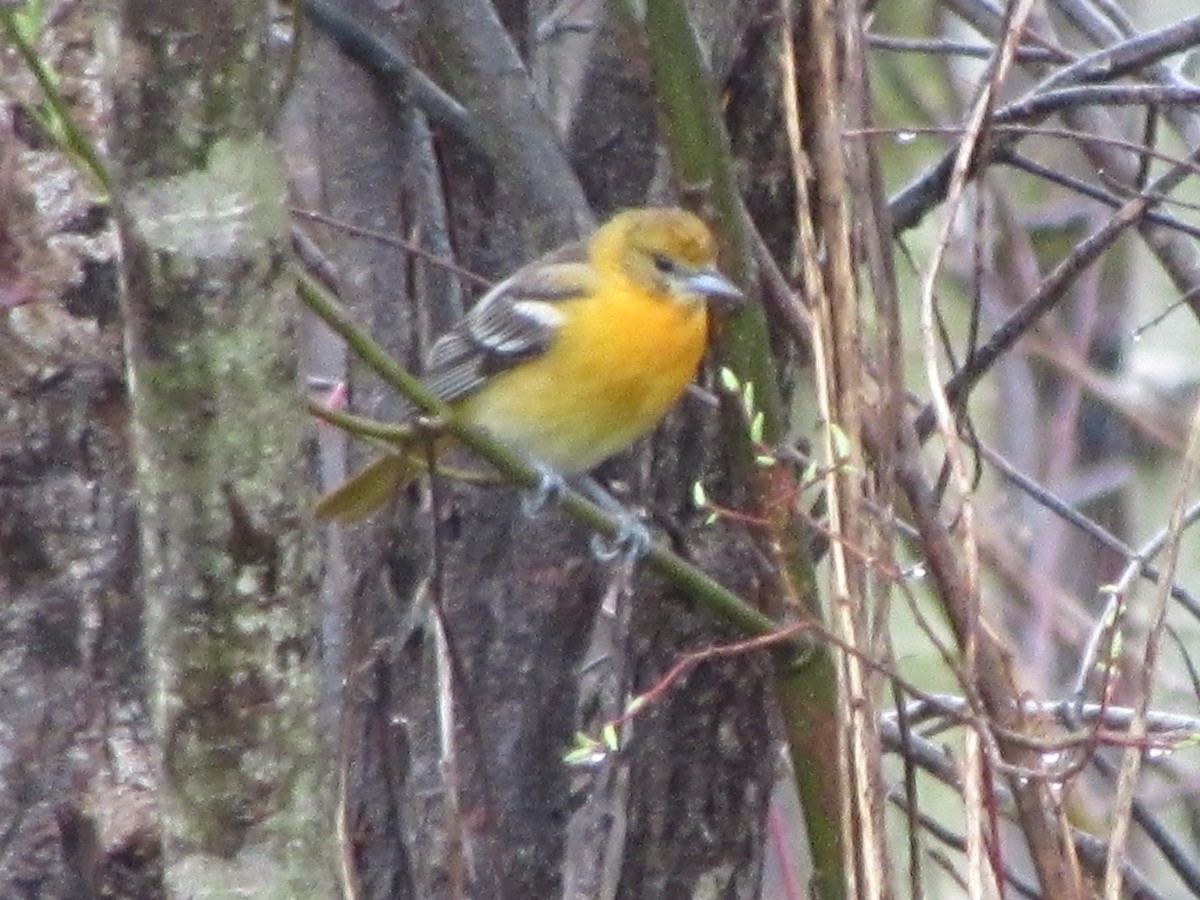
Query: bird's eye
[(662, 264)]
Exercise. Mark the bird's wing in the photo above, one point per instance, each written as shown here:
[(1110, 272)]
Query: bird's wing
[(515, 320)]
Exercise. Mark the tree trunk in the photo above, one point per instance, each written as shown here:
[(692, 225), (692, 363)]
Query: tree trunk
[(77, 803), (230, 567)]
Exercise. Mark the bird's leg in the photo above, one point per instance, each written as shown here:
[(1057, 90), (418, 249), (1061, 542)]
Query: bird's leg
[(550, 486), (632, 540)]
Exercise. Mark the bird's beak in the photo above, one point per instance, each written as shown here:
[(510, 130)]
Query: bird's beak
[(715, 287)]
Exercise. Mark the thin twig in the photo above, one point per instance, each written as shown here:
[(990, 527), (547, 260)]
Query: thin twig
[(1131, 764), (1052, 289), (945, 47)]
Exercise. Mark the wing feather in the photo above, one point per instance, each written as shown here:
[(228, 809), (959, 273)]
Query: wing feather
[(514, 321)]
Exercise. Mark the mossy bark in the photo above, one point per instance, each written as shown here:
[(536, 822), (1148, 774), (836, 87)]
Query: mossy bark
[(230, 567)]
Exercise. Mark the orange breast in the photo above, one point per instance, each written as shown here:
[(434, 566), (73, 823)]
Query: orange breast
[(613, 372)]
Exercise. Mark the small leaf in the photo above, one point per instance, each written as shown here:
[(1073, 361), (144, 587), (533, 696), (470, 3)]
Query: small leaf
[(584, 748), (841, 442), (1118, 643), (756, 427), (728, 379), (585, 754), (608, 734), (699, 495)]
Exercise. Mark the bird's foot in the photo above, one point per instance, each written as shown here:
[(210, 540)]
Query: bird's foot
[(632, 539), (631, 542)]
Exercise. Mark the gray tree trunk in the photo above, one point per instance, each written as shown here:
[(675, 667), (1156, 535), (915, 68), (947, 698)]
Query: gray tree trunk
[(230, 569)]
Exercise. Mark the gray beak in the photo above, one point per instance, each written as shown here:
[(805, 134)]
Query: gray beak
[(716, 288)]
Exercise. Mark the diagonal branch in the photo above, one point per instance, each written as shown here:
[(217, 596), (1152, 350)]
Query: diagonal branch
[(1052, 289)]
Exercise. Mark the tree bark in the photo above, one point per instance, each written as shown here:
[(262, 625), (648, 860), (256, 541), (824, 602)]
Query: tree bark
[(77, 805), (230, 567)]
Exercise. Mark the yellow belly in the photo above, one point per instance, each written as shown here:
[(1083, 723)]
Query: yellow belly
[(597, 388)]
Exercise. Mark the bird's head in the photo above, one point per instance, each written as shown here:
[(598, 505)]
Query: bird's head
[(670, 251)]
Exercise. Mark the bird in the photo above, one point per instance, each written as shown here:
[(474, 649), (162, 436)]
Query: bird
[(574, 356)]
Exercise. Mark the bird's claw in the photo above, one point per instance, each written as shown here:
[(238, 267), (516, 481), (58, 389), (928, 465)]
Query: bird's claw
[(631, 542)]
